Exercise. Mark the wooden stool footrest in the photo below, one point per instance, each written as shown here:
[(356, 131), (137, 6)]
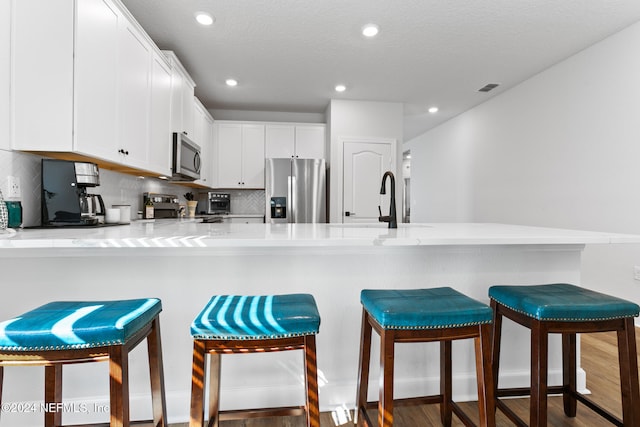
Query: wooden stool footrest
[(510, 414), (598, 409), (526, 391), (408, 401), (462, 415), (239, 414), (133, 423)]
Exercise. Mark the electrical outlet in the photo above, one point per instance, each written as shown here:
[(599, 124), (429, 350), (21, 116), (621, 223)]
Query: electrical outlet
[(636, 272), (13, 187)]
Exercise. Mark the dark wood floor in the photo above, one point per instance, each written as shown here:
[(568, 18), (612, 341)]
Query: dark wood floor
[(599, 357)]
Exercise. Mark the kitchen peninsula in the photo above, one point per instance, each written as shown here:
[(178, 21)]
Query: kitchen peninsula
[(184, 262)]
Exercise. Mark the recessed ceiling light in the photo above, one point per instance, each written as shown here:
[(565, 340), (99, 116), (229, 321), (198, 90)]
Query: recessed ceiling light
[(370, 30), (341, 88), (231, 82), (204, 18), (433, 110)]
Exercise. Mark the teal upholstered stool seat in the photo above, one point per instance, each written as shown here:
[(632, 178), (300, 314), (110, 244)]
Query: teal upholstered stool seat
[(257, 317), (253, 324), (567, 310), (73, 324), (423, 315), (65, 332), (563, 302), (424, 308)]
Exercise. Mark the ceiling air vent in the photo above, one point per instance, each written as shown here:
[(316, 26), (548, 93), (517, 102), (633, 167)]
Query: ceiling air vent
[(488, 87)]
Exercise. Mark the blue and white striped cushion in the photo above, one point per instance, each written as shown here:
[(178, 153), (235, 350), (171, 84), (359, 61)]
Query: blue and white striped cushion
[(235, 317), (64, 325)]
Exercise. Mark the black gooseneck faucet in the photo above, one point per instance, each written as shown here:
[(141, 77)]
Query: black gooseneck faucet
[(391, 218)]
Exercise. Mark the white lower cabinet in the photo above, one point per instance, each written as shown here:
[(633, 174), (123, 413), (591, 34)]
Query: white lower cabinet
[(245, 220)]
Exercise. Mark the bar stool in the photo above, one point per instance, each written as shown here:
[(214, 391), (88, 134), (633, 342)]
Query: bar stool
[(567, 310), (423, 315), (253, 324), (65, 332)]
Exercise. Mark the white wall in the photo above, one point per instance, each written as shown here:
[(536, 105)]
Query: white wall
[(5, 29), (360, 119), (561, 149)]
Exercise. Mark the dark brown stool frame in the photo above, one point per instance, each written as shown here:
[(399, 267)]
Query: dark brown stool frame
[(118, 358), (540, 330), (216, 348), (388, 337)]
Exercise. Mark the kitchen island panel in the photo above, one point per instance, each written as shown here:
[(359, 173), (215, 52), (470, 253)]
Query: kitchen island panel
[(185, 277)]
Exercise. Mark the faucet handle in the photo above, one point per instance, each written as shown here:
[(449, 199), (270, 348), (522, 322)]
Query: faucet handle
[(379, 210)]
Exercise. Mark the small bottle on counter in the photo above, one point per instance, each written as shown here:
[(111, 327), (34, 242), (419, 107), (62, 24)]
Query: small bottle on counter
[(148, 209)]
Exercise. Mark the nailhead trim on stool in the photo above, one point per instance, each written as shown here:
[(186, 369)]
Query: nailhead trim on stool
[(568, 310), (423, 315), (253, 324), (65, 332)]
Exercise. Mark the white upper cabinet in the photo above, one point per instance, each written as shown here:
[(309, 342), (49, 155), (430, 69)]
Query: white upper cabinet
[(160, 138), (310, 141), (240, 155), (95, 78), (305, 141), (280, 141), (203, 136), (182, 94), (253, 156), (134, 96), (88, 80)]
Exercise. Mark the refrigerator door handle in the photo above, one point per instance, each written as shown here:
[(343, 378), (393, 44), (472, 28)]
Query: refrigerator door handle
[(291, 205)]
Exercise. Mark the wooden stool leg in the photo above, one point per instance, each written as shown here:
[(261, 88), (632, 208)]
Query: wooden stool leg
[(484, 373), (197, 385), (119, 386), (312, 408), (156, 374), (385, 405), (363, 371), (627, 356), (1, 382), (215, 370), (539, 351), (445, 383), (569, 374), (53, 393), (495, 342)]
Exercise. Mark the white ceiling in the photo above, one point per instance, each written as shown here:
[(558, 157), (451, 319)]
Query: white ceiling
[(288, 55)]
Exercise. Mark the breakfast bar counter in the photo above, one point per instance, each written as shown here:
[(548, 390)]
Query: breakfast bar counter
[(184, 262)]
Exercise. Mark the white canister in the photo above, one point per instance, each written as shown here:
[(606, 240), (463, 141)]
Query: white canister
[(125, 213), (112, 216)]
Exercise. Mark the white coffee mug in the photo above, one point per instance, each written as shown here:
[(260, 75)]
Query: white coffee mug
[(112, 216), (125, 213)]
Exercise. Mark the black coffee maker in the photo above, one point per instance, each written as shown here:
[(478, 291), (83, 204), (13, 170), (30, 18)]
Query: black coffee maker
[(65, 200)]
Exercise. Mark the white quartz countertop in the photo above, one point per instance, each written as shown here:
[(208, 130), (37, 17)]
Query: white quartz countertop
[(189, 233)]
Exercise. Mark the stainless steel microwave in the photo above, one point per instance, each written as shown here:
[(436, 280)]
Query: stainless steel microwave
[(186, 158)]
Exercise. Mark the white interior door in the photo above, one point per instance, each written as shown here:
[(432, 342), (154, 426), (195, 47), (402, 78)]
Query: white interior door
[(364, 163)]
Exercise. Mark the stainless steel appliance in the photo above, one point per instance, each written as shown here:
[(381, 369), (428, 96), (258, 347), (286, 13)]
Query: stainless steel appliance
[(214, 203), (164, 205), (65, 200), (186, 158), (295, 190)]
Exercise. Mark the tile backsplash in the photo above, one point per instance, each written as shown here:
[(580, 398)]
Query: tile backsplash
[(247, 201), (115, 187)]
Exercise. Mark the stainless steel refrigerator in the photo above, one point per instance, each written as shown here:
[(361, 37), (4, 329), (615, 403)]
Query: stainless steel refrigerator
[(296, 190)]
